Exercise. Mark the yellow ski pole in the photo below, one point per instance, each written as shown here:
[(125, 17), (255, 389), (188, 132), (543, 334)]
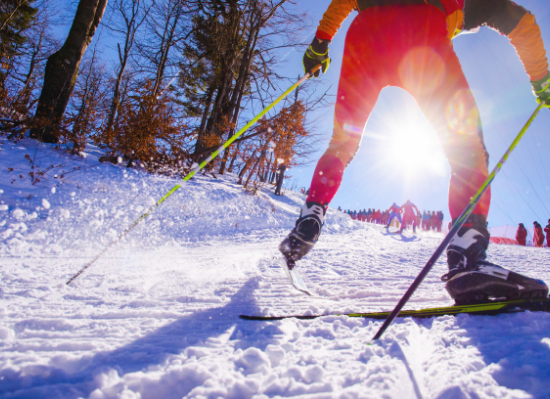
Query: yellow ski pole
[(194, 171)]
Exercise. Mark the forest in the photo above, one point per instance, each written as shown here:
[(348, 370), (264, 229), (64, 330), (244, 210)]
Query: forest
[(159, 84)]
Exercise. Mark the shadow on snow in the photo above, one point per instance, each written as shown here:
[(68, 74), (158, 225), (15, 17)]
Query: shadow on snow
[(152, 349)]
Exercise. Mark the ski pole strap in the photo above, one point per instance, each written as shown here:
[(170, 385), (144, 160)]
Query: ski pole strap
[(456, 226), (364, 4)]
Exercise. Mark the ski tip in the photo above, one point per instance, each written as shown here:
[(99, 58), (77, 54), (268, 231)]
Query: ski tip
[(302, 290)]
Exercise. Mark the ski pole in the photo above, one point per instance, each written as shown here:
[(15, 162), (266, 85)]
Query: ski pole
[(194, 171), (458, 224)]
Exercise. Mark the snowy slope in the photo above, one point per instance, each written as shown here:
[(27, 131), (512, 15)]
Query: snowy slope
[(157, 316)]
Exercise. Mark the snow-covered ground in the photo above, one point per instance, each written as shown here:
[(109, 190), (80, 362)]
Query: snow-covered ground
[(157, 316)]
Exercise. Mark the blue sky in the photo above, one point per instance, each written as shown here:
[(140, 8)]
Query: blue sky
[(385, 170)]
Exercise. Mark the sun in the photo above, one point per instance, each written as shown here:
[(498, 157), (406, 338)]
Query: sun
[(414, 151), (411, 146)]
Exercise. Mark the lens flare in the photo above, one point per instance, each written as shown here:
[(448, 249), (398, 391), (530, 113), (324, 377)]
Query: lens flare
[(462, 114), (421, 71)]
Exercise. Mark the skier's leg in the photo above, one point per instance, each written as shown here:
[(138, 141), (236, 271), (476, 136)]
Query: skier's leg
[(357, 95), (406, 222), (392, 216), (453, 113), (444, 96), (361, 80)]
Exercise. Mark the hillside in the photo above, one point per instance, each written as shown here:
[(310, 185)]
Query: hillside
[(157, 316)]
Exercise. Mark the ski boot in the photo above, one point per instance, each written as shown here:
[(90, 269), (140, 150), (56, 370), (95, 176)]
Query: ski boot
[(471, 279), (305, 234)]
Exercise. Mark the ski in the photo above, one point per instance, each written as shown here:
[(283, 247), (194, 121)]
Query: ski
[(295, 278), (483, 309)]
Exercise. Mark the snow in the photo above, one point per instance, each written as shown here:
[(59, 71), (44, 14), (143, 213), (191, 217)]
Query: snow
[(157, 315)]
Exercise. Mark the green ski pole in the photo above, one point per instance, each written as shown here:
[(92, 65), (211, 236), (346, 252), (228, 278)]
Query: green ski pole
[(458, 224), (195, 170)]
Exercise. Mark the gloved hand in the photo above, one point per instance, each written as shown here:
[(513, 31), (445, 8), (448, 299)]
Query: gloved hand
[(317, 53), (541, 88)]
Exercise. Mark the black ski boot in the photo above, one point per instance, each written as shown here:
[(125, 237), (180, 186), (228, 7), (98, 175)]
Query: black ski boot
[(471, 279), (305, 234)]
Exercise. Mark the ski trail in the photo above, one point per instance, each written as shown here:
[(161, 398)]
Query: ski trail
[(396, 350)]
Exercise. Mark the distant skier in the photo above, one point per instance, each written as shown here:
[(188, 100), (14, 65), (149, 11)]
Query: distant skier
[(377, 216), (439, 223), (538, 235), (521, 235), (547, 231), (433, 221), (395, 212), (407, 43), (426, 220), (409, 216)]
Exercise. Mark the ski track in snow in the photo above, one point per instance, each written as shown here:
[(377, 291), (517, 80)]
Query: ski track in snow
[(157, 315)]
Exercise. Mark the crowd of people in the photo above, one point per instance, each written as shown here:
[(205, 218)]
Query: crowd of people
[(407, 215), (538, 235)]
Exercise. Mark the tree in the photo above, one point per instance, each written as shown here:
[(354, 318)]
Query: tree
[(133, 14), (22, 71), (147, 130), (224, 53), (167, 28), (15, 17), (62, 70), (86, 114)]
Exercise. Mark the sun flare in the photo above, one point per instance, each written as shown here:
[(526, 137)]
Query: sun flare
[(410, 146)]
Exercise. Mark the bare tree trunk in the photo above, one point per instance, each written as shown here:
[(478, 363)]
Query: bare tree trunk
[(202, 129), (62, 70), (166, 44), (262, 154), (234, 158), (91, 87), (25, 93), (220, 97), (236, 98), (245, 168), (132, 24)]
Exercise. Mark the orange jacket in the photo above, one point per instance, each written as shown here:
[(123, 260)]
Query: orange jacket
[(503, 16)]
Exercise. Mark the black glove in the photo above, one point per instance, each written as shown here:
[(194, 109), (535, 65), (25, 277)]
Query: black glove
[(317, 53), (541, 88)]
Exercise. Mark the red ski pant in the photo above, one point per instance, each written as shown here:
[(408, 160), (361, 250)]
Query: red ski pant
[(406, 46), (407, 221)]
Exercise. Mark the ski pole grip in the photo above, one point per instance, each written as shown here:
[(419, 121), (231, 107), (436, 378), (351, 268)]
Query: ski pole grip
[(315, 69)]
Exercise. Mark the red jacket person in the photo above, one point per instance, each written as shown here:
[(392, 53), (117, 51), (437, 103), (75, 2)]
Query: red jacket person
[(521, 234), (407, 43), (538, 235), (409, 215)]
